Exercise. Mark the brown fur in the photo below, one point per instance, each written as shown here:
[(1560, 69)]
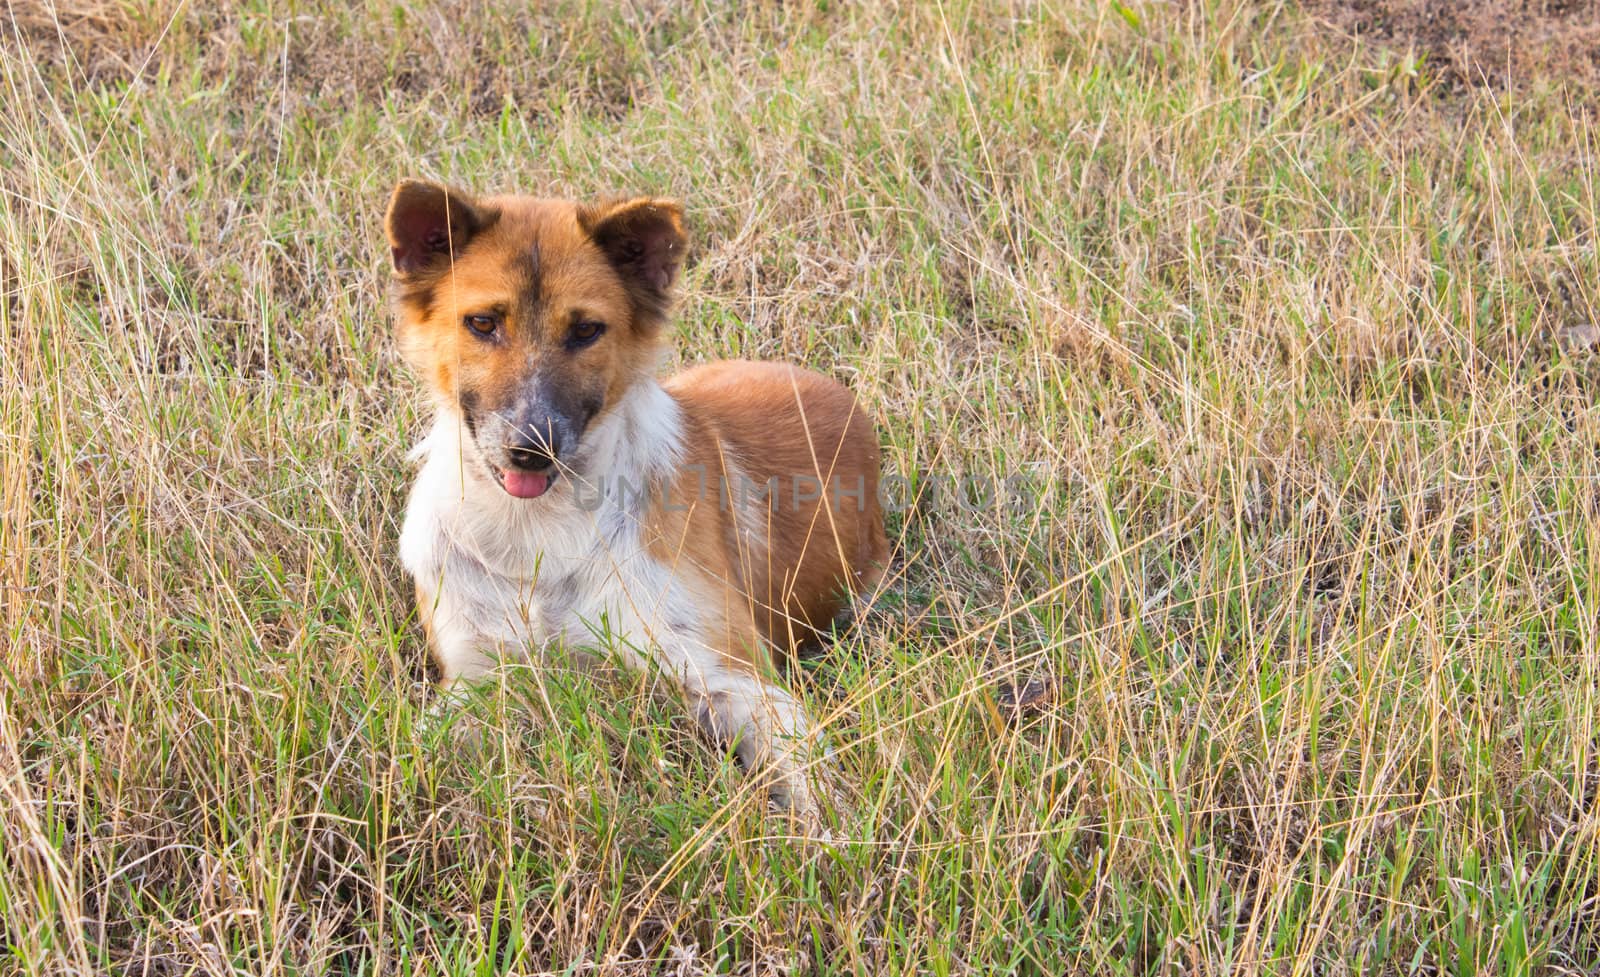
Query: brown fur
[(769, 420)]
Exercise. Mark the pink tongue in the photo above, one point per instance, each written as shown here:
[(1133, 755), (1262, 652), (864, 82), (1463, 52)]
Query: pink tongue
[(525, 485)]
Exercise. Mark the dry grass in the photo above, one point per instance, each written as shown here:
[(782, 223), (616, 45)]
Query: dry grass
[(1306, 355)]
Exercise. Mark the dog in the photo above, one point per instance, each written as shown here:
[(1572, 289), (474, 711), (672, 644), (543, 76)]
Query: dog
[(705, 526)]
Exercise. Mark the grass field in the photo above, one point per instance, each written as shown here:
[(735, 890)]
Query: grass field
[(1295, 337)]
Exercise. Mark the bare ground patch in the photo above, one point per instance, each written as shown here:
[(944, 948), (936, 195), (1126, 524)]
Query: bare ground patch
[(1499, 43)]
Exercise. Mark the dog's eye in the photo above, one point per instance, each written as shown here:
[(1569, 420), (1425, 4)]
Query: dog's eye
[(585, 332), (483, 325)]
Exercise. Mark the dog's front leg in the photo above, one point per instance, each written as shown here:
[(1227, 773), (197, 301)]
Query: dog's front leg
[(765, 725), (471, 632)]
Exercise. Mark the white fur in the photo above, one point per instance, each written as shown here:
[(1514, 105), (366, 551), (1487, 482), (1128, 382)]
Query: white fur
[(505, 575)]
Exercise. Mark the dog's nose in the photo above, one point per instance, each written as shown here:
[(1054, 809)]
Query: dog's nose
[(531, 457)]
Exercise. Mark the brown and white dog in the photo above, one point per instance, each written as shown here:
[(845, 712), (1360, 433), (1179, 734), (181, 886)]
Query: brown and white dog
[(567, 496)]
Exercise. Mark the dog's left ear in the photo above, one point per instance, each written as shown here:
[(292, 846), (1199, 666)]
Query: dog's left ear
[(643, 239)]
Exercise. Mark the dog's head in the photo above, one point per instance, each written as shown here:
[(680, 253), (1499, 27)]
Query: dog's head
[(530, 317)]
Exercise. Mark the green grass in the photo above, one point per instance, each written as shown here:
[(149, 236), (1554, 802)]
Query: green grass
[(1296, 340)]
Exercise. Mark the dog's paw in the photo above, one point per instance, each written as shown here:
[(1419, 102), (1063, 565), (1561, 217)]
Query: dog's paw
[(790, 791), (451, 725)]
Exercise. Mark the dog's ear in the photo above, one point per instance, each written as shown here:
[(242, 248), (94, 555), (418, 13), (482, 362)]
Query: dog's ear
[(427, 220), (643, 239)]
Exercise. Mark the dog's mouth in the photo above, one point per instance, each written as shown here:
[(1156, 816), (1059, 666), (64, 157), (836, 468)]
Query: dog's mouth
[(525, 485)]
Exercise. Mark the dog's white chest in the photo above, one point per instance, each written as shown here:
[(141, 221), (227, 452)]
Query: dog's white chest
[(507, 576)]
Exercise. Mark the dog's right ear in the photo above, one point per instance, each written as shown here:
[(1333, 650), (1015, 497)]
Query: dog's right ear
[(428, 220)]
